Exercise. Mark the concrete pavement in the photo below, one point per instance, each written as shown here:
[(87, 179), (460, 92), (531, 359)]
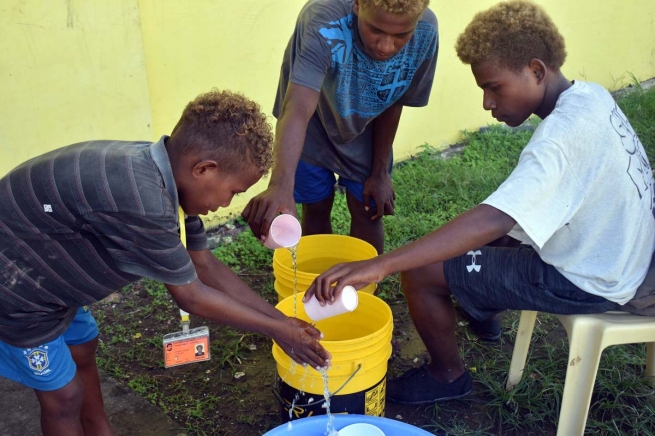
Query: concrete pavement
[(129, 414)]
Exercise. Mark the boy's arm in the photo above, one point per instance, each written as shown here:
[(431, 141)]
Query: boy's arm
[(378, 185), (299, 106), (297, 338), (471, 230), (215, 274)]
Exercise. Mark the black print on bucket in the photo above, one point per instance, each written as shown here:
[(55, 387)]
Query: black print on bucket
[(367, 402)]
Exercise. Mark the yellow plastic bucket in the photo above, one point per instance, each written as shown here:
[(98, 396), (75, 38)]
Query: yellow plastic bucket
[(360, 344), (317, 253)]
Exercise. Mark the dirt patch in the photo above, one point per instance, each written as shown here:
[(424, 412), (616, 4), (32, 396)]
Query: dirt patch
[(206, 398)]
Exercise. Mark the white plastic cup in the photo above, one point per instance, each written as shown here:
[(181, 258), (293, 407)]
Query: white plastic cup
[(347, 302), (285, 231)]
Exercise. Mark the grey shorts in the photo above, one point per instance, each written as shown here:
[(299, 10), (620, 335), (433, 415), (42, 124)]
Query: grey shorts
[(490, 280)]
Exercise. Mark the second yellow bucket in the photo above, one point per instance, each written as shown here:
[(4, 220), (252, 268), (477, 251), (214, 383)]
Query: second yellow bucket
[(317, 253), (360, 344)]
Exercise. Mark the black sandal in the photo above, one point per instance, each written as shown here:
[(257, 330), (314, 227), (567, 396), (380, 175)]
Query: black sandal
[(487, 330), (417, 386)]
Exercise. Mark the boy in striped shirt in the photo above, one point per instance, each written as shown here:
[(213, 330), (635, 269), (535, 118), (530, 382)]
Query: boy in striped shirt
[(83, 221)]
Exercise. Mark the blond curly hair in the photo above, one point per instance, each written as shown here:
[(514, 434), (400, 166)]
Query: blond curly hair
[(227, 127), (404, 8), (511, 34)]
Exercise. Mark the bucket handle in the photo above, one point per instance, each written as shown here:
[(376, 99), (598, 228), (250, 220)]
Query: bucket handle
[(283, 403)]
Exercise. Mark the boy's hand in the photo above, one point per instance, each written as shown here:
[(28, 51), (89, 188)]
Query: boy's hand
[(299, 340), (263, 208), (356, 274), (379, 187)]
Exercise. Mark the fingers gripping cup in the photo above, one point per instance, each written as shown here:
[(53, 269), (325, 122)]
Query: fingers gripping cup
[(347, 302), (285, 231)]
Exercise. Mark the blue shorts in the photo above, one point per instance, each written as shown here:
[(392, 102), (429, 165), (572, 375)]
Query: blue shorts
[(490, 280), (50, 366), (314, 184)]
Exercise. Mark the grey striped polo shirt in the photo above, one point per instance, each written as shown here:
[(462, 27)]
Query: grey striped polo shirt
[(81, 222)]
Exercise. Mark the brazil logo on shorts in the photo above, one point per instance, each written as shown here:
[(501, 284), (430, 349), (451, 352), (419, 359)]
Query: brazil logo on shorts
[(38, 360)]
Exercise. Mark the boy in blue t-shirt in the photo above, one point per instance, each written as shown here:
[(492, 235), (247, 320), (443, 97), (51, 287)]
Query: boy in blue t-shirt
[(349, 68)]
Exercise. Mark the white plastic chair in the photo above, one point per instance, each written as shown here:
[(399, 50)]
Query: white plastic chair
[(588, 336)]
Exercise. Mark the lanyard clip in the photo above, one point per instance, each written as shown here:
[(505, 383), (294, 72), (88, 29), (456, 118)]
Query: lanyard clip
[(185, 321)]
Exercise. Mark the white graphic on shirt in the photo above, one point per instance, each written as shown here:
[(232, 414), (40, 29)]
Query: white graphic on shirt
[(47, 208), (473, 266), (638, 167)]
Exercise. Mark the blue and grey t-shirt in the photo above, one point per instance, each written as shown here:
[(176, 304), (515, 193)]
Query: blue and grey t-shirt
[(325, 54), (81, 222)]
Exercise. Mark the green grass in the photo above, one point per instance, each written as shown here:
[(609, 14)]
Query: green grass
[(245, 253), (430, 191), (639, 107)]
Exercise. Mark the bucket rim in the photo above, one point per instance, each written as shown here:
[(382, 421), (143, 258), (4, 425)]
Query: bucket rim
[(277, 285), (388, 324), (363, 244)]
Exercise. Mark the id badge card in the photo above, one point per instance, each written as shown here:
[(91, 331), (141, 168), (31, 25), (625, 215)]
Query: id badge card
[(181, 348)]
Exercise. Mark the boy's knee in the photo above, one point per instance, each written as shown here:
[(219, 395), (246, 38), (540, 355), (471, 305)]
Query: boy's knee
[(411, 282), (357, 210), (362, 217), (428, 279), (63, 403), (84, 354)]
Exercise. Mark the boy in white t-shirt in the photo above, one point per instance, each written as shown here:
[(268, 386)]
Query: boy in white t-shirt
[(580, 201)]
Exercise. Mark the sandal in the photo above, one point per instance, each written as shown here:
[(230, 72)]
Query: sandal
[(417, 386), (487, 330)]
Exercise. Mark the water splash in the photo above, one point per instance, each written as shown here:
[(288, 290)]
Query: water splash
[(329, 431), (294, 262), (293, 406), (292, 364), (303, 379)]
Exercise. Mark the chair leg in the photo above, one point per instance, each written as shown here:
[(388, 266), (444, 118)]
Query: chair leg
[(585, 349), (650, 363), (521, 347)]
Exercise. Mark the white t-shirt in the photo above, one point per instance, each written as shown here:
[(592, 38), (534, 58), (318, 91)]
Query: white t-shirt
[(582, 195)]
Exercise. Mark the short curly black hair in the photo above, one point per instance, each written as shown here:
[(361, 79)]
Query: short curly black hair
[(511, 34), (227, 127), (397, 7)]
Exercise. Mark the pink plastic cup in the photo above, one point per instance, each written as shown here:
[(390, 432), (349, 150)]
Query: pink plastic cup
[(347, 302), (285, 231)]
